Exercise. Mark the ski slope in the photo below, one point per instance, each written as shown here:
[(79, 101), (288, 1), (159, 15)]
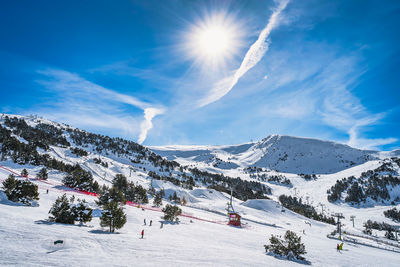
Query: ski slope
[(27, 237), (203, 237)]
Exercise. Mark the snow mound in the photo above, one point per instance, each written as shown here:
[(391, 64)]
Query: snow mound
[(4, 200), (263, 204), (209, 194)]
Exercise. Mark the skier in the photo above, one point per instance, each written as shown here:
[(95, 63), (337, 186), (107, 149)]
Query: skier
[(337, 247), (144, 221), (162, 224), (142, 233), (151, 222), (47, 191)]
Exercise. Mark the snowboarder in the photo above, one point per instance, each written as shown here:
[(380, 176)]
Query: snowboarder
[(142, 233), (144, 221), (151, 222), (162, 224)]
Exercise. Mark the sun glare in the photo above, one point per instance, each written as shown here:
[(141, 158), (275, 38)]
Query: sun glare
[(213, 41)]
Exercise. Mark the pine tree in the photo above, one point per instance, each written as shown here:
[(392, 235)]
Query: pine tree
[(61, 210), (152, 190), (368, 228), (290, 247), (355, 193), (113, 216), (175, 198), (394, 214), (108, 195), (24, 173), (95, 187), (294, 245), (42, 174), (82, 212), (120, 182), (157, 201), (389, 234), (28, 192), (171, 213), (20, 190), (9, 186), (79, 178), (136, 194)]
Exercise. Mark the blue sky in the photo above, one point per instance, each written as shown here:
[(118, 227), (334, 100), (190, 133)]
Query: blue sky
[(156, 72)]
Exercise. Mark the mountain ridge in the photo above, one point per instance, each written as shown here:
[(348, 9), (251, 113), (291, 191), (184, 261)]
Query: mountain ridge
[(277, 152)]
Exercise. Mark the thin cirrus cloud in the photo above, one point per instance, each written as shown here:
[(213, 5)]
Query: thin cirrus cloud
[(85, 102), (339, 108), (356, 141), (252, 57), (317, 94)]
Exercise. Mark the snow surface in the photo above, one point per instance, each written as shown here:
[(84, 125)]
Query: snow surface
[(276, 152), (203, 237), (27, 238)]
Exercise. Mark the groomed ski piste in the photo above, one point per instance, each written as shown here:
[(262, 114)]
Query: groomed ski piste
[(202, 238)]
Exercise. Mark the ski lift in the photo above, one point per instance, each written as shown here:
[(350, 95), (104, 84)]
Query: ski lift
[(234, 217)]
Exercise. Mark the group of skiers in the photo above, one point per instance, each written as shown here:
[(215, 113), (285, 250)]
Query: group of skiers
[(150, 224)]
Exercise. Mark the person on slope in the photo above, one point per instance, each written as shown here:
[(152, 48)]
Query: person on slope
[(142, 233)]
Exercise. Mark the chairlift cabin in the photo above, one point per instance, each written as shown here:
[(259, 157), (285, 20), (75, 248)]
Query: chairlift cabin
[(234, 219)]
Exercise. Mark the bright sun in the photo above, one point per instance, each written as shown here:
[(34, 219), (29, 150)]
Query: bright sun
[(213, 41)]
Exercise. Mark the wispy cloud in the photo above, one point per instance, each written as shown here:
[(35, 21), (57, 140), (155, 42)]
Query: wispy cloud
[(315, 88), (85, 101), (149, 114), (367, 143), (252, 57)]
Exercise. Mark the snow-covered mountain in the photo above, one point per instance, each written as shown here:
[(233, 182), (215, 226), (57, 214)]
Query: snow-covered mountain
[(276, 152)]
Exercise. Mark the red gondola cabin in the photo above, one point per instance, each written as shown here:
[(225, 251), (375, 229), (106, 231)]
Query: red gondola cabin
[(234, 219)]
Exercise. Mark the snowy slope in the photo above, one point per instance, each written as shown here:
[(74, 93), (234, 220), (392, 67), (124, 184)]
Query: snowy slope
[(27, 238)]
